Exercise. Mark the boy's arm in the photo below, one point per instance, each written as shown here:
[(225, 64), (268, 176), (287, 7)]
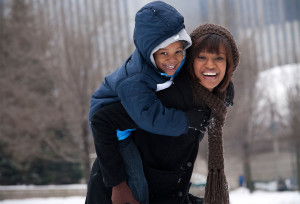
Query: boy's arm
[(137, 94), (104, 124)]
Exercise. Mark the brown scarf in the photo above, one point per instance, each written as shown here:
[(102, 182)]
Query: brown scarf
[(216, 189)]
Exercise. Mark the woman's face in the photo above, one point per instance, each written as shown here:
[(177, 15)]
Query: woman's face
[(210, 68)]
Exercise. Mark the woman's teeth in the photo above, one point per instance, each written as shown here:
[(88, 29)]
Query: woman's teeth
[(209, 74)]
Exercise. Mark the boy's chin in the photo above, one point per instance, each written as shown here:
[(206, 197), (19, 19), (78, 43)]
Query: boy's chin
[(170, 73)]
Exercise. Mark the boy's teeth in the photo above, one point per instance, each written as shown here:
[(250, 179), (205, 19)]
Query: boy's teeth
[(209, 74), (170, 66)]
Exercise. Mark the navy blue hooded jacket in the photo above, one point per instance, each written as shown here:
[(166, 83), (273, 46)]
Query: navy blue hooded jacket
[(135, 82)]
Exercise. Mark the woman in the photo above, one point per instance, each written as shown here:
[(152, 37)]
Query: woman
[(167, 161)]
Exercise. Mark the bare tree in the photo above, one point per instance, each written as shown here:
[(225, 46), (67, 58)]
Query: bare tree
[(239, 126), (80, 58), (294, 109), (31, 122), (74, 77), (51, 63)]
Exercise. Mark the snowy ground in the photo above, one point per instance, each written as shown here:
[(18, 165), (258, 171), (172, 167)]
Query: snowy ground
[(239, 196), (242, 196)]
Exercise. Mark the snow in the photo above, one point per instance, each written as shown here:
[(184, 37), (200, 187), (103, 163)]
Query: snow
[(42, 187), (268, 186), (243, 196), (198, 179), (238, 196), (67, 200)]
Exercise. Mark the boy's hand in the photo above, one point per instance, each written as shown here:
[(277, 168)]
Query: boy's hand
[(121, 194)]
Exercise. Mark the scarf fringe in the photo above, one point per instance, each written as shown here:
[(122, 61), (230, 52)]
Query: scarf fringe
[(216, 189)]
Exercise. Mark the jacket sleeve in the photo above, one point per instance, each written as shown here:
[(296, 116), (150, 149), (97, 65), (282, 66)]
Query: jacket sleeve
[(104, 124), (137, 94)]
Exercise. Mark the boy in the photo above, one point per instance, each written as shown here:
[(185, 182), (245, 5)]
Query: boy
[(161, 41)]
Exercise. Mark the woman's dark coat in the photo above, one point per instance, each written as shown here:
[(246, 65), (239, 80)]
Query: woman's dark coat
[(168, 161)]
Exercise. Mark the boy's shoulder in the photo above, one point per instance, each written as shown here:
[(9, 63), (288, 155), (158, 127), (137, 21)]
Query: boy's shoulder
[(136, 67)]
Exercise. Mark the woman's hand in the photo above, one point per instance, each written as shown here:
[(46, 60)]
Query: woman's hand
[(121, 194)]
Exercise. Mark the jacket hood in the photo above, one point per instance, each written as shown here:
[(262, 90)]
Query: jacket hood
[(182, 36), (154, 23)]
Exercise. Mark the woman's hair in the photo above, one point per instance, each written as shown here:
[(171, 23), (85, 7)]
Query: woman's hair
[(210, 37)]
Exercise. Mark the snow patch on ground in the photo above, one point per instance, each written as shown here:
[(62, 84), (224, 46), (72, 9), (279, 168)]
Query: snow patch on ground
[(67, 200), (243, 196), (238, 196), (43, 187)]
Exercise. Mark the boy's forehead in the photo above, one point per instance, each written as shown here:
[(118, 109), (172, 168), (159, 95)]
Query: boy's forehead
[(177, 44)]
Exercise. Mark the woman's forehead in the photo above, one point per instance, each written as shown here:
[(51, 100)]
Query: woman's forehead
[(214, 49)]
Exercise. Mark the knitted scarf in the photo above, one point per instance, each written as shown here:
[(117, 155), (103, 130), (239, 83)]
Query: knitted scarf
[(216, 189)]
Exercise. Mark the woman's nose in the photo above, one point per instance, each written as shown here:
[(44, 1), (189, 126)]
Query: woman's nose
[(210, 63)]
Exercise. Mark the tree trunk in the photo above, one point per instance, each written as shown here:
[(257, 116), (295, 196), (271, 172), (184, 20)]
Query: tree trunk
[(86, 157), (298, 166), (247, 168)]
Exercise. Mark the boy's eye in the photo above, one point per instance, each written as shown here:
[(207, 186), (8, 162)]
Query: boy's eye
[(178, 51), (163, 53)]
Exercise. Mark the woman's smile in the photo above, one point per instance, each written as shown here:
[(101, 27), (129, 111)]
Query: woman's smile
[(209, 75)]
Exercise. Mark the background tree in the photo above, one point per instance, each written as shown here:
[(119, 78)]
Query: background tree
[(32, 127), (239, 125), (55, 54), (294, 109), (80, 58)]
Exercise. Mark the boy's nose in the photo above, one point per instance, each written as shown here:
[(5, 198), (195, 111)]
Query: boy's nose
[(173, 58)]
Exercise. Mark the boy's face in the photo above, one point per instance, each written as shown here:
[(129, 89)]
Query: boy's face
[(168, 59), (210, 68)]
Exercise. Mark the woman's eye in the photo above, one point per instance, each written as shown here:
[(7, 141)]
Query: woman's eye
[(220, 58), (201, 57)]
